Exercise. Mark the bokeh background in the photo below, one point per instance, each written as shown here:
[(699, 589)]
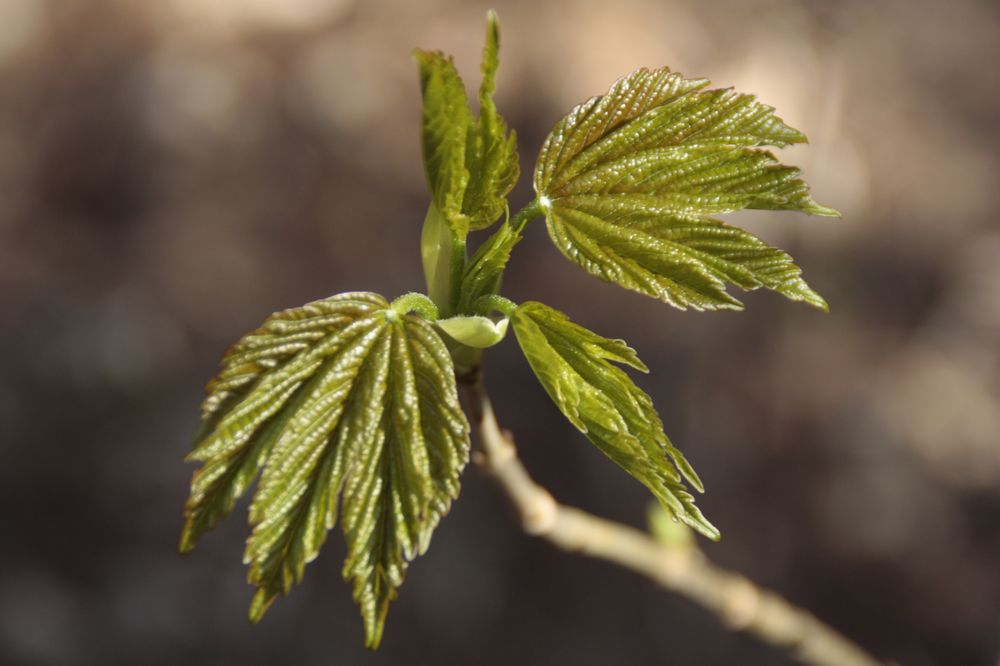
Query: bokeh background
[(173, 171)]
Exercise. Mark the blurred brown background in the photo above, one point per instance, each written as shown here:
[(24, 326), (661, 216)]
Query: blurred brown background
[(173, 171)]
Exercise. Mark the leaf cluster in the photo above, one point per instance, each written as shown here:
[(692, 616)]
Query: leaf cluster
[(347, 408)]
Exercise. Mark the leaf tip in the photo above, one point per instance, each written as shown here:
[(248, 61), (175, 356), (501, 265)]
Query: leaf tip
[(819, 303), (688, 471), (823, 211), (703, 527), (187, 541), (793, 136), (731, 303), (425, 58), (372, 642), (799, 290), (259, 605), (375, 625)]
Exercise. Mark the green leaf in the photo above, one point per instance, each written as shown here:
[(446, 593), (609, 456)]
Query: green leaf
[(628, 182), (598, 398), (484, 271), (447, 121), (471, 165), (491, 153), (349, 407)]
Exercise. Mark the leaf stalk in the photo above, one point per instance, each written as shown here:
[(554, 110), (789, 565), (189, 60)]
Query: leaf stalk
[(522, 217), (414, 301)]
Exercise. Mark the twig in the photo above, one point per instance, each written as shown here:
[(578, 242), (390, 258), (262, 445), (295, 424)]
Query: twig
[(740, 604)]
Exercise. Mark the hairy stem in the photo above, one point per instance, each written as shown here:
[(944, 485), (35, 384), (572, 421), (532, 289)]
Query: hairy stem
[(521, 218), (415, 302), (737, 602)]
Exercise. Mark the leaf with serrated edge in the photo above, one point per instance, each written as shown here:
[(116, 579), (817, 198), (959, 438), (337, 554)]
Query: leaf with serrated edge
[(446, 123), (471, 165), (491, 153), (628, 182), (484, 271), (342, 401), (572, 364)]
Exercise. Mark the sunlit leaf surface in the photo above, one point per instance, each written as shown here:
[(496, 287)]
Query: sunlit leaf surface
[(573, 365), (629, 182), (471, 164), (348, 410)]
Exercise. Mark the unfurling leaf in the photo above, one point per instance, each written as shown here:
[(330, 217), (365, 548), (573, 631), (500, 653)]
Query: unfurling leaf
[(349, 408), (471, 165), (572, 363), (628, 182), (491, 153), (446, 124), (484, 271), (447, 121)]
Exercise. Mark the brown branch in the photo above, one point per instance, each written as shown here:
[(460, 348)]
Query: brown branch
[(738, 603)]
